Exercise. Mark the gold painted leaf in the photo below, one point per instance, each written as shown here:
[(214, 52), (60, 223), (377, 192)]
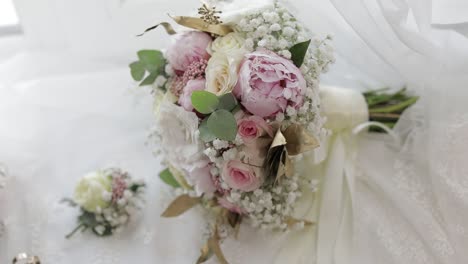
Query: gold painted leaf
[(180, 205), (213, 243), (299, 140), (291, 221), (288, 167), (205, 254), (167, 27), (200, 24)]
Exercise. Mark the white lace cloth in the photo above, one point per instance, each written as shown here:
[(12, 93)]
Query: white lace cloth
[(411, 200)]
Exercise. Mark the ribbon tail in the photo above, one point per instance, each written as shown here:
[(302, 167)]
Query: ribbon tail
[(335, 225)]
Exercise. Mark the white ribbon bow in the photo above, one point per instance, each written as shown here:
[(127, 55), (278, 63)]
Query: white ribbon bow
[(347, 114)]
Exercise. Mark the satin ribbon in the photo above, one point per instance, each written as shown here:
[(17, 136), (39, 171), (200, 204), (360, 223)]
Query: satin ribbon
[(335, 225)]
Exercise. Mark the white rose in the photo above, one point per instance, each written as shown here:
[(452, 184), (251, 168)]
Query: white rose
[(180, 143), (90, 190), (222, 71), (232, 41)]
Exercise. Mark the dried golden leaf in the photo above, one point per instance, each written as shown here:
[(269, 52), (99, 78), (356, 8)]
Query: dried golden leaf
[(205, 254), (292, 221), (180, 205), (213, 243), (167, 27), (288, 167), (200, 24), (278, 140), (299, 140), (233, 219)]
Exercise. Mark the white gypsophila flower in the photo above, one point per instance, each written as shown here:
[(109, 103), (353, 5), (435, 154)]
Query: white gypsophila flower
[(220, 144), (285, 53), (177, 129), (211, 153), (230, 154), (160, 81), (261, 31), (275, 27), (221, 71), (168, 69)]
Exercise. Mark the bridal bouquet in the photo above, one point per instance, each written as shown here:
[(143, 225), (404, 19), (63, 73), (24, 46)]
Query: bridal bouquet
[(237, 104)]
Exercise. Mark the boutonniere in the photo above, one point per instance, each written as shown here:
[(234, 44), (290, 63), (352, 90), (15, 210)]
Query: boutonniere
[(108, 199)]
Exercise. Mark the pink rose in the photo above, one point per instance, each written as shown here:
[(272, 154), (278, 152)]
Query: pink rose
[(230, 206), (268, 83), (185, 99), (242, 176), (203, 180), (190, 47), (253, 127)]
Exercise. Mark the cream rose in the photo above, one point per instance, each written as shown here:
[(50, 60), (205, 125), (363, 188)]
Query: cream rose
[(222, 71), (232, 41), (91, 190)]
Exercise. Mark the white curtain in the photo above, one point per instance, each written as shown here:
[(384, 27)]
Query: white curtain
[(65, 113)]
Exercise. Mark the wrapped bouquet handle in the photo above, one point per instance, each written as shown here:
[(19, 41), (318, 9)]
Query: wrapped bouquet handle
[(347, 114)]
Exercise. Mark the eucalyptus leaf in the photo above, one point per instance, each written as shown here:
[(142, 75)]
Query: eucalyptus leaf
[(227, 102), (298, 52), (167, 177), (205, 133), (137, 70), (204, 102), (223, 125), (152, 60), (150, 79)]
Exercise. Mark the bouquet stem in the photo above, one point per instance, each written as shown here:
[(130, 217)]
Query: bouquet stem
[(80, 226), (387, 108)]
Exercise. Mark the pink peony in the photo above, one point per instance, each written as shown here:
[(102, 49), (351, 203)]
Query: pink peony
[(185, 99), (268, 83), (188, 48), (230, 206), (241, 176), (203, 180), (252, 127)]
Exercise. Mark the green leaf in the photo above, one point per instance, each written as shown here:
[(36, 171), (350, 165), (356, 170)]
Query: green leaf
[(166, 177), (227, 102), (204, 102), (223, 125), (150, 79), (205, 132), (236, 109), (134, 187), (298, 52), (88, 219), (137, 70), (152, 60)]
